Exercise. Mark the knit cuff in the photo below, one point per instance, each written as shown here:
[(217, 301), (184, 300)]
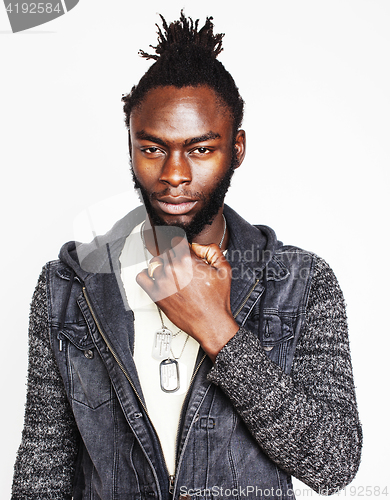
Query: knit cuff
[(246, 374)]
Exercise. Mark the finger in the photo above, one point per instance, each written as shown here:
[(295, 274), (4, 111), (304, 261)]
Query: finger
[(178, 265), (172, 269), (212, 254), (155, 267), (144, 281), (180, 247), (155, 289), (152, 267)]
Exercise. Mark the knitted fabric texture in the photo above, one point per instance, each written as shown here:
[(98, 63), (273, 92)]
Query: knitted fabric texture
[(44, 466), (307, 422)]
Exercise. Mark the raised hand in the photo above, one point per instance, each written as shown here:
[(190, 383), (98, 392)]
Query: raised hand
[(193, 289)]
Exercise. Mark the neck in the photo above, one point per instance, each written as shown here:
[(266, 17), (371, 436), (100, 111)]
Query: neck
[(158, 238)]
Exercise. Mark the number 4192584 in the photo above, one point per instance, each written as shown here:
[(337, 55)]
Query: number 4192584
[(34, 8)]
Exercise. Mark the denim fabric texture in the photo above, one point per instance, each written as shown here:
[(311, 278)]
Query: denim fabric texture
[(92, 335)]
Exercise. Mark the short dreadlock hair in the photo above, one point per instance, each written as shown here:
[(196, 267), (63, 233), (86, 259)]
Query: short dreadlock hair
[(186, 56)]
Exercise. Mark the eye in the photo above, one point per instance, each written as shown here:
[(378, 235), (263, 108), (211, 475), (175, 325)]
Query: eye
[(152, 150), (202, 150)]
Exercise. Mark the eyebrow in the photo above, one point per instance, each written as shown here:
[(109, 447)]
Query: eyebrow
[(142, 135), (205, 137)]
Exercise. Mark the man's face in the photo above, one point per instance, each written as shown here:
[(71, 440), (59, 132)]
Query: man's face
[(183, 155)]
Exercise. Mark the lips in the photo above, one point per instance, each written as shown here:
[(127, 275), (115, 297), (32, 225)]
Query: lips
[(176, 206)]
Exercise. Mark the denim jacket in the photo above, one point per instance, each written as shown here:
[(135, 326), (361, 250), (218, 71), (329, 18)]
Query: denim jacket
[(92, 335)]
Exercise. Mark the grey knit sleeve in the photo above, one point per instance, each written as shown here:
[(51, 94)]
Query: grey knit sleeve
[(306, 422), (44, 466)]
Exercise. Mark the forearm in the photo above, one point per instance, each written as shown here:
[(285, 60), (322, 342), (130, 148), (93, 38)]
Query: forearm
[(45, 462), (307, 422)]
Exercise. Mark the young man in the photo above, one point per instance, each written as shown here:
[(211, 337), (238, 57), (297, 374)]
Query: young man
[(211, 365)]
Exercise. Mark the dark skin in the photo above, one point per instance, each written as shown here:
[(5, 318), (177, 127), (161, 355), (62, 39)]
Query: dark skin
[(181, 145)]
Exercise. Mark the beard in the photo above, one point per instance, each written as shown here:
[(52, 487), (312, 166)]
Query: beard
[(212, 203)]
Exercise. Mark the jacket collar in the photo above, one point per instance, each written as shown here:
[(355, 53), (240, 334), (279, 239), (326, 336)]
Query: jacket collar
[(101, 255), (250, 246), (250, 252), (96, 264)]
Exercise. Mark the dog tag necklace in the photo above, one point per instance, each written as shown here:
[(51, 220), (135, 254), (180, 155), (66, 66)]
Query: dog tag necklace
[(169, 371), (163, 340), (161, 349), (163, 337), (162, 345)]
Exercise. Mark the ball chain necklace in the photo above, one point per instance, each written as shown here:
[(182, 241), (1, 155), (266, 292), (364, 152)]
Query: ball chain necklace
[(162, 344)]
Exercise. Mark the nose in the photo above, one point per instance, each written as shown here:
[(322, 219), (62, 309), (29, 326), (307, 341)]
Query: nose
[(176, 170)]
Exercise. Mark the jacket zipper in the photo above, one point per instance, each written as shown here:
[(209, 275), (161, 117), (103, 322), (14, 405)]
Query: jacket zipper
[(172, 477), (115, 356), (245, 300), (114, 353)]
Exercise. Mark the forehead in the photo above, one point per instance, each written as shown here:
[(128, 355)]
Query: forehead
[(181, 112)]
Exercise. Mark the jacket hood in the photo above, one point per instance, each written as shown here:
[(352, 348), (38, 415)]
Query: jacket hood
[(102, 253)]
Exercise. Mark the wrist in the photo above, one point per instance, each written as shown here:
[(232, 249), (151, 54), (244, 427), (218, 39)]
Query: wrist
[(214, 341)]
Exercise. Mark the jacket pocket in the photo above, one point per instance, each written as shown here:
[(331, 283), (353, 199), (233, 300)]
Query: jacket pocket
[(90, 384), (276, 334)]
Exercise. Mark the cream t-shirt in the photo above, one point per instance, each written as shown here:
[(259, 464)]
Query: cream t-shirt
[(163, 408)]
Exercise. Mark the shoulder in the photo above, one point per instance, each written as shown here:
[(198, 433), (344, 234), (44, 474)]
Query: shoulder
[(305, 262), (299, 272)]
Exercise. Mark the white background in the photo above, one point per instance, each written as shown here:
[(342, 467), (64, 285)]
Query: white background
[(315, 78)]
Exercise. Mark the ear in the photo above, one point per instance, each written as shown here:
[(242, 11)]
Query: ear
[(240, 146), (129, 138)]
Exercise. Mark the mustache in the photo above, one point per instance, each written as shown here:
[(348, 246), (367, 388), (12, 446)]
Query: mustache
[(154, 195), (195, 196)]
